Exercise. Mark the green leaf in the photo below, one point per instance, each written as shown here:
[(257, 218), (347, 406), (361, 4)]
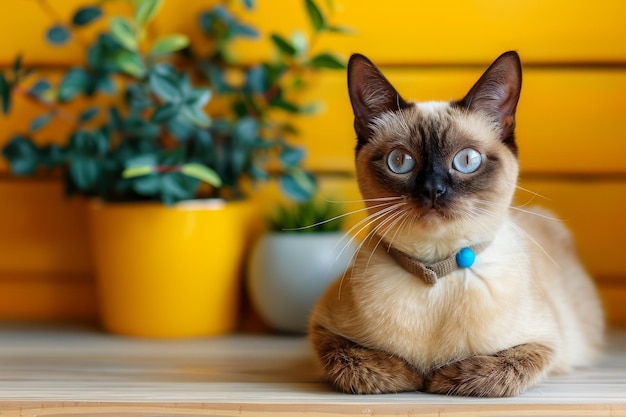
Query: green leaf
[(179, 129), (146, 10), (283, 45), (300, 41), (169, 44), (224, 16), (176, 187), (39, 88), (86, 15), (172, 157), (39, 122), (289, 128), (5, 94), (164, 82), (202, 173), (291, 156), (207, 20), (130, 63), (58, 35), (327, 60), (246, 31), (88, 114), (249, 4), (198, 97), (17, 65), (106, 85), (256, 79), (123, 32), (81, 142), (139, 128), (318, 21), (310, 108), (51, 155), (84, 172), (299, 185), (216, 77), (195, 116), (288, 106), (246, 131), (149, 159), (341, 29), (22, 155), (148, 185), (137, 171), (72, 84), (164, 113), (101, 138)]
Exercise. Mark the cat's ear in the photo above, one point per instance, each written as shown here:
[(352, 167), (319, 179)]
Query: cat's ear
[(497, 93), (370, 94)]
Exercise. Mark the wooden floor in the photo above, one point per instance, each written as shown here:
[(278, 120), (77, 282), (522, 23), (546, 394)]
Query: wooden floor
[(61, 371)]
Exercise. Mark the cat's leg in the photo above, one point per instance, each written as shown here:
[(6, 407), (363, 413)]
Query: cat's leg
[(505, 374), (352, 368)]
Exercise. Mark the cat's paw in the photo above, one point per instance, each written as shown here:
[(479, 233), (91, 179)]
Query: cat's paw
[(358, 370), (352, 368), (505, 374)]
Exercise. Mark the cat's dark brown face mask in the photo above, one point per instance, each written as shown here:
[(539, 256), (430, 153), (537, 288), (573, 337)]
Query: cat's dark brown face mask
[(439, 163)]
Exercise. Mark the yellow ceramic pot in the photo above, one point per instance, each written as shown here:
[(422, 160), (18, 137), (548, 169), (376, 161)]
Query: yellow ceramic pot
[(169, 271)]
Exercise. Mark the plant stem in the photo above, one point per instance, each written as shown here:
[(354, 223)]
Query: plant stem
[(57, 111)]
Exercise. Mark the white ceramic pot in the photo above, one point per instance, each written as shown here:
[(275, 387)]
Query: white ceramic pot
[(288, 273)]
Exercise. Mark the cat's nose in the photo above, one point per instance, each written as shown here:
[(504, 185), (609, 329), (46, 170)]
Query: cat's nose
[(433, 187)]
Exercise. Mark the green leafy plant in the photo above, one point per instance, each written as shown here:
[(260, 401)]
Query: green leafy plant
[(249, 134), (311, 216), (154, 138)]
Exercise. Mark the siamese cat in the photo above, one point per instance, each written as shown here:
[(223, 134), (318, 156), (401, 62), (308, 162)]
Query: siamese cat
[(454, 291)]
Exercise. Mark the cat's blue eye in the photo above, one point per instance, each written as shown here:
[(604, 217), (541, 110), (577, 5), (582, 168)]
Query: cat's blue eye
[(400, 162), (467, 160)]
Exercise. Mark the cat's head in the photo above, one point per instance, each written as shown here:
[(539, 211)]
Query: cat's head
[(438, 172)]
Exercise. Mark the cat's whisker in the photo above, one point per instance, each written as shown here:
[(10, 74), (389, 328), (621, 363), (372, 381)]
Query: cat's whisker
[(517, 208), (535, 194), (529, 202), (401, 226), (366, 200), (366, 222), (368, 218), (520, 230), (543, 216), (334, 218), (374, 230), (384, 227)]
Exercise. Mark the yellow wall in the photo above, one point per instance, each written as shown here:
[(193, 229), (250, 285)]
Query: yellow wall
[(570, 122)]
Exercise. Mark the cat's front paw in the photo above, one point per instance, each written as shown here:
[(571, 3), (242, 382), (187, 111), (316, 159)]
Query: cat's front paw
[(354, 369), (505, 374)]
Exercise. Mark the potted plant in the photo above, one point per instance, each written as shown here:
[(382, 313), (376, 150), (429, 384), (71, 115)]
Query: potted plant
[(168, 214), (290, 267)]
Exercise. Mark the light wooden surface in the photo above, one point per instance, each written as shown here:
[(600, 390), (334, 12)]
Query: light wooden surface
[(53, 371)]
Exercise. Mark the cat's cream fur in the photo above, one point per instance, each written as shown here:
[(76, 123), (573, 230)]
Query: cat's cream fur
[(526, 289)]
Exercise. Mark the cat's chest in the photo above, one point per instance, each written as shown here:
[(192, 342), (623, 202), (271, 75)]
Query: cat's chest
[(465, 312)]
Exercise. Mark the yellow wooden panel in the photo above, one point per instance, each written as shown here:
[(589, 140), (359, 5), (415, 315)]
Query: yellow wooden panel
[(613, 297), (569, 120), (47, 297), (41, 231), (452, 31), (392, 31), (594, 212)]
